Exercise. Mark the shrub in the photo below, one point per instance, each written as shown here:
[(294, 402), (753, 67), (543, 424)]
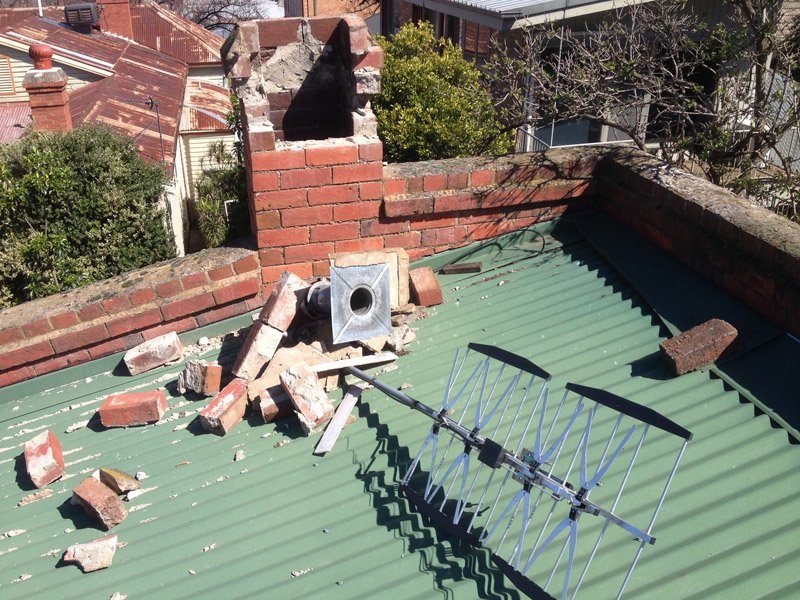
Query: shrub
[(221, 198), (76, 208), (433, 103)]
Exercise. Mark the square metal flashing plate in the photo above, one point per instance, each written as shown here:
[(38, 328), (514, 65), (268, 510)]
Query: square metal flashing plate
[(360, 302)]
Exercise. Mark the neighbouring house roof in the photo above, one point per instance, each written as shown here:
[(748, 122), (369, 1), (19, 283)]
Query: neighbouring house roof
[(168, 32), (14, 118), (153, 26), (285, 523), (205, 107), (133, 75), (509, 14)]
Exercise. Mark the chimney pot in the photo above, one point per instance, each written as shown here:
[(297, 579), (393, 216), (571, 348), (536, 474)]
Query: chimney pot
[(47, 91), (42, 56)]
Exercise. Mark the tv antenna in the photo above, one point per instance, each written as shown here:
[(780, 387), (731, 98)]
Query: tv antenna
[(533, 506)]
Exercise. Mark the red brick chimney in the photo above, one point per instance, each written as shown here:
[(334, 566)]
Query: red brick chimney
[(115, 17), (47, 91)]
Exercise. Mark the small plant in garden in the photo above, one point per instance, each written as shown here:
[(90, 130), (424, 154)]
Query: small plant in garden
[(221, 198)]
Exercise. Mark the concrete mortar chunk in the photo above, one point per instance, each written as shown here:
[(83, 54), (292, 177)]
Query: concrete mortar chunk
[(93, 556)]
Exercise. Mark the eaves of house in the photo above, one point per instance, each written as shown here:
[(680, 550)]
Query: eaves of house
[(503, 15)]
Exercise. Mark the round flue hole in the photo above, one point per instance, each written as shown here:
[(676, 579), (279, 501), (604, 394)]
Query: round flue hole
[(361, 301)]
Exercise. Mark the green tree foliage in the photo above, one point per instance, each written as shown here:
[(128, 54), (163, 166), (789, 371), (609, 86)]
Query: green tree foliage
[(433, 103), (76, 208)]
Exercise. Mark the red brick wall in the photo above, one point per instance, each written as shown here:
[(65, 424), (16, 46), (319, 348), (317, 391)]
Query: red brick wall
[(119, 313), (745, 249), (310, 199)]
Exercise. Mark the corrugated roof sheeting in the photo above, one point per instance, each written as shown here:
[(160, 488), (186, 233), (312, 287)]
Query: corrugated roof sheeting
[(206, 107), (14, 118), (163, 30), (727, 528)]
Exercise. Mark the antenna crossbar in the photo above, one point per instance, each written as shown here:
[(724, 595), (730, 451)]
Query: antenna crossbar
[(446, 497)]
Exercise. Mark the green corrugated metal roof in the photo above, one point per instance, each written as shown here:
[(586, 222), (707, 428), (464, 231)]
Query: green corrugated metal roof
[(728, 526)]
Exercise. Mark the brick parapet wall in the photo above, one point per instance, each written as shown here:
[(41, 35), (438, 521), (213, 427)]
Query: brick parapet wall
[(116, 314), (438, 205), (751, 252), (313, 198)]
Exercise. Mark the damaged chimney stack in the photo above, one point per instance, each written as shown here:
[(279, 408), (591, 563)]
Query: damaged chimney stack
[(47, 91)]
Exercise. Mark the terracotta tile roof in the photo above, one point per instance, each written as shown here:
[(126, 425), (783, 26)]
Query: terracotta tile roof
[(153, 26), (137, 75), (14, 117), (206, 107)]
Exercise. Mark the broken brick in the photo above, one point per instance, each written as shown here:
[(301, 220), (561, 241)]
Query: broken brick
[(201, 377), (284, 302), (44, 460), (100, 502), (260, 346), (213, 380), (119, 481), (267, 393), (226, 410), (461, 268), (153, 353), (425, 288), (307, 394), (133, 408), (273, 404), (93, 555), (698, 347)]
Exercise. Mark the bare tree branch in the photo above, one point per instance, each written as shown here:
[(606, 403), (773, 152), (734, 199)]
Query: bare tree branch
[(719, 97)]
